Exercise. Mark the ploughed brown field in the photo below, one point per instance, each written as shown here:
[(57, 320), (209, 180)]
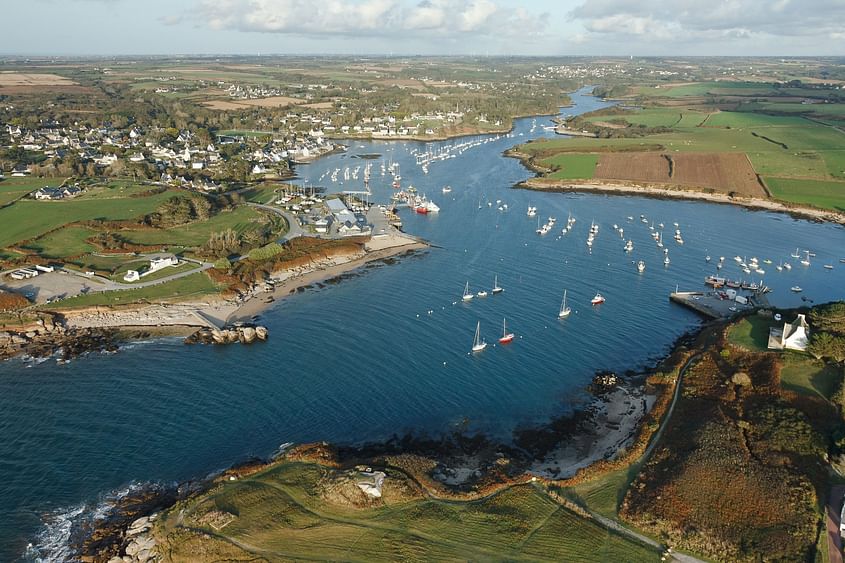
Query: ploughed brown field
[(725, 172), (25, 83), (272, 101)]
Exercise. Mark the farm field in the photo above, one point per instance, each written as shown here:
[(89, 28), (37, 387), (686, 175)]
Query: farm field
[(726, 172), (781, 147), (572, 166), (827, 194), (294, 510)]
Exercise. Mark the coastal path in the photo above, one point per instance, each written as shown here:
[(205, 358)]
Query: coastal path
[(831, 520)]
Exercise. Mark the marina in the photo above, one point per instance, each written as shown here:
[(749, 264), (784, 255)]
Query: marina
[(403, 333)]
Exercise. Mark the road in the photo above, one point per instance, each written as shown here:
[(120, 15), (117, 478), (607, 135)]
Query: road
[(294, 230)]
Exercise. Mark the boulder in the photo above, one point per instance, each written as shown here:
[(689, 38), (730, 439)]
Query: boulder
[(218, 336), (261, 332), (247, 335)]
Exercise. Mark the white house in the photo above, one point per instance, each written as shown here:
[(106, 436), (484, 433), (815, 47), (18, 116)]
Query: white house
[(163, 262), (793, 336), (131, 276)]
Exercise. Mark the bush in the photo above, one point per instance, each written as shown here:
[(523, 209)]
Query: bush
[(265, 252), (222, 264)]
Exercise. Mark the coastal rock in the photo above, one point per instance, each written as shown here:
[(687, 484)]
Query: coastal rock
[(242, 334), (247, 335)]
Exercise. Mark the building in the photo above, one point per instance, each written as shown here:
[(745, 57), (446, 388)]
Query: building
[(793, 336)]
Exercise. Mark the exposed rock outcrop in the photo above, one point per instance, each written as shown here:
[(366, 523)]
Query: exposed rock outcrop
[(244, 334)]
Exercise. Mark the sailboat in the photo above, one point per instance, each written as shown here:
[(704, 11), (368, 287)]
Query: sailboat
[(564, 310), (477, 344), (806, 260), (640, 266), (496, 288), (467, 293), (506, 336)]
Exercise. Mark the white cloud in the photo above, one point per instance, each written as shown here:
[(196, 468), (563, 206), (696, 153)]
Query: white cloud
[(367, 18)]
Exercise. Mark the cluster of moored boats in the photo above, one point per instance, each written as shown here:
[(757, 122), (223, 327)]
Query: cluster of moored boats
[(479, 344)]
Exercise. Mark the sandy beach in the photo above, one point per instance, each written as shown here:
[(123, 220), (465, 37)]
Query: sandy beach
[(655, 191)]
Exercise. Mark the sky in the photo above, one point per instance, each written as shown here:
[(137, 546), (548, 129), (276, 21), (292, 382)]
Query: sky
[(423, 27)]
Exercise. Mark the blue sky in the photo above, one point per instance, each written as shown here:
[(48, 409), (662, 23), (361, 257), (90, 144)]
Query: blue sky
[(450, 27)]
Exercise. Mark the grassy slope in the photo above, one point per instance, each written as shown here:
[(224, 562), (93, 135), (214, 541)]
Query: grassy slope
[(822, 193), (751, 333), (280, 516), (68, 241)]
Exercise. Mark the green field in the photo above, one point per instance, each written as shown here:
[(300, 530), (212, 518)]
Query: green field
[(604, 494), (68, 241), (708, 88), (572, 166), (195, 285), (821, 193), (281, 514), (28, 219), (751, 333)]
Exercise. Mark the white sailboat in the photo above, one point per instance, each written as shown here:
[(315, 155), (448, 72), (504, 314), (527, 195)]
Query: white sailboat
[(564, 310), (467, 293), (496, 287), (478, 344), (641, 266)]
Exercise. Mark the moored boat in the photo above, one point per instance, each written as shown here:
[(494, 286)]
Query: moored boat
[(597, 300), (564, 309), (506, 336), (478, 344)]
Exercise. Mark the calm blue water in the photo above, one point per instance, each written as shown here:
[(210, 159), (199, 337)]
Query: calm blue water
[(364, 359)]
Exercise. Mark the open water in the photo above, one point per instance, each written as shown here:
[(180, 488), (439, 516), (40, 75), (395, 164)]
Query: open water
[(386, 351)]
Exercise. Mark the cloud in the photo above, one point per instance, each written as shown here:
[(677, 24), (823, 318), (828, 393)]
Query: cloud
[(693, 20), (367, 18)]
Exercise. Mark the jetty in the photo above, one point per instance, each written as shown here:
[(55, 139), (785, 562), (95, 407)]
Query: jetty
[(718, 304)]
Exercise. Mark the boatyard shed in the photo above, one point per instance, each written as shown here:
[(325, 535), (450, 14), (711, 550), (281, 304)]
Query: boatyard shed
[(793, 336)]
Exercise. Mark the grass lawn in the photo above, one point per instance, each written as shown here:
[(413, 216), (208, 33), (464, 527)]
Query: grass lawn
[(28, 219), (280, 514), (240, 220), (69, 241), (572, 166), (803, 374), (751, 333), (106, 263), (195, 285), (827, 194)]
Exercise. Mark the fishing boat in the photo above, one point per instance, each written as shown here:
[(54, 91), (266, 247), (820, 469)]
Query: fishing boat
[(506, 336), (597, 300), (481, 293), (478, 344), (796, 289), (641, 266), (564, 310), (467, 293), (496, 288)]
